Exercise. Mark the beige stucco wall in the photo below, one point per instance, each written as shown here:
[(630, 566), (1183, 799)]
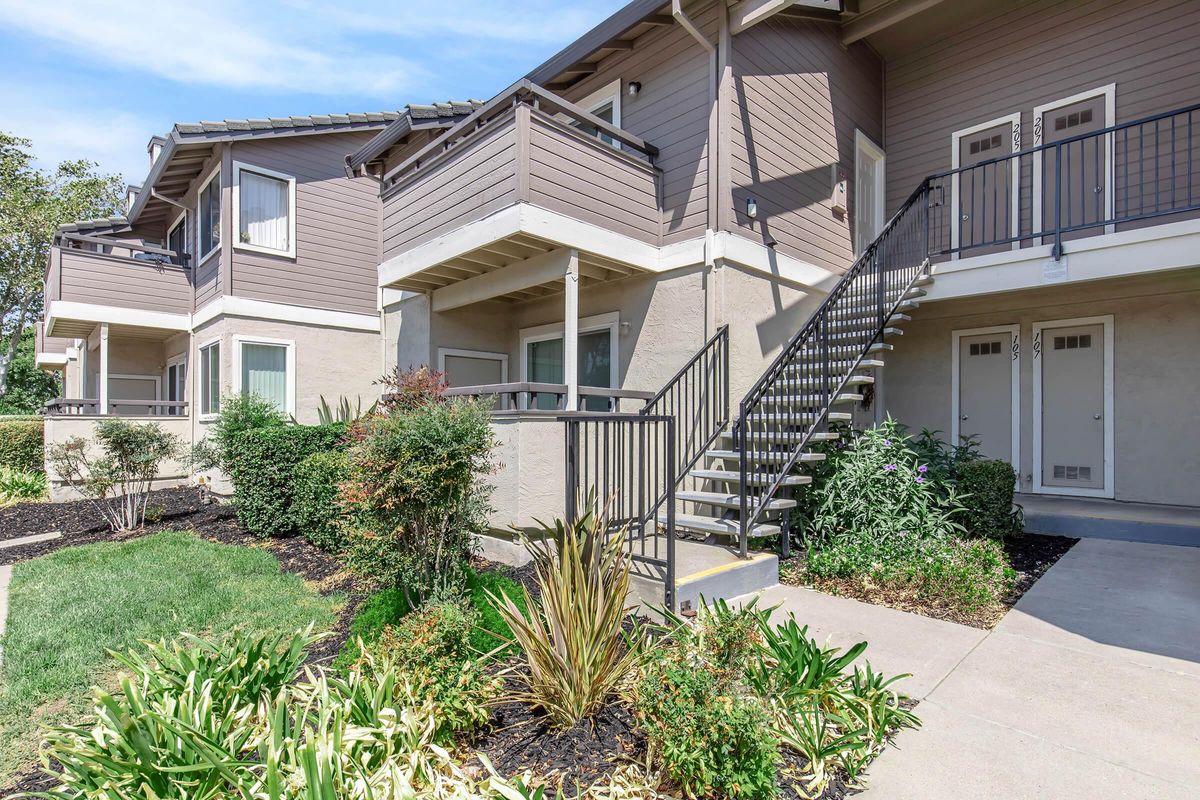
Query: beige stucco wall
[(1156, 326), (529, 481), (59, 430)]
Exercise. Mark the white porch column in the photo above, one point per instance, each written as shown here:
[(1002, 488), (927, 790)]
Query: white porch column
[(103, 393), (571, 331)]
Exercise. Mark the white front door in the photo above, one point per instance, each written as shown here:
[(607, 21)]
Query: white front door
[(987, 398), (868, 191), (1074, 382)]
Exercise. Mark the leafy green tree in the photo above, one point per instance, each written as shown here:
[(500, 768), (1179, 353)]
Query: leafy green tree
[(29, 387), (33, 204)]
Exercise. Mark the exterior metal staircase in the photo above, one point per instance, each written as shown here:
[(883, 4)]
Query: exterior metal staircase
[(745, 475)]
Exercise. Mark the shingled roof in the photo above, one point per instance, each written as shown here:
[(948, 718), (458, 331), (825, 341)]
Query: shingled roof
[(286, 123)]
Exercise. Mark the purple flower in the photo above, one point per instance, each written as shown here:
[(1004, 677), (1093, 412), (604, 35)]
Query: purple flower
[(887, 442), (922, 469), (920, 479), (890, 467)]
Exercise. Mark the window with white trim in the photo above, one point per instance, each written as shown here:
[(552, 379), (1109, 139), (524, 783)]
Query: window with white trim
[(208, 231), (264, 204), (210, 379), (177, 239), (266, 368), (606, 104)]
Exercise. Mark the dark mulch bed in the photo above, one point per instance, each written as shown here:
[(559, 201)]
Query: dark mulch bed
[(1030, 555)]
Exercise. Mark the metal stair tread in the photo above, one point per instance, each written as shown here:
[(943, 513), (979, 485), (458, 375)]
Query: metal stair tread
[(731, 476), (777, 419), (729, 527), (778, 455), (809, 399), (726, 500)]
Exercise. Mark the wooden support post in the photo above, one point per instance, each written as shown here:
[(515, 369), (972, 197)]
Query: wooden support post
[(571, 332)]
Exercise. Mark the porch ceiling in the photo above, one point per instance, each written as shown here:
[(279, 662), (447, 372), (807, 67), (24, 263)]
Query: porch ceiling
[(513, 252), (82, 329)]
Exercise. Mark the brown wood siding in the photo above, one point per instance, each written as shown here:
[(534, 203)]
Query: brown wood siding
[(798, 97), (337, 223), (1024, 54), (670, 112), (122, 282), (466, 185), (590, 181)]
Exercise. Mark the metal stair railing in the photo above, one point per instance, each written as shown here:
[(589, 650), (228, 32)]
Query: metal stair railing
[(812, 365)]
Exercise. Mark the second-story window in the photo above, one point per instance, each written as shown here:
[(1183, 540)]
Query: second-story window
[(264, 206), (605, 104), (177, 239), (208, 232)]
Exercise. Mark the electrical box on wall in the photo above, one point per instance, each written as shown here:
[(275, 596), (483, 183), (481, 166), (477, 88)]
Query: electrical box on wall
[(838, 198)]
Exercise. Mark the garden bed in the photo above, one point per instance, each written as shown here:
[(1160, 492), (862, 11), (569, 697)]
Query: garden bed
[(1029, 554)]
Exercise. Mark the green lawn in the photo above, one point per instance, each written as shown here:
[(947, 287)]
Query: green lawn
[(67, 609)]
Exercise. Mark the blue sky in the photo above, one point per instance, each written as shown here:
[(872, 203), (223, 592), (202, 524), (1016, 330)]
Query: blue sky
[(95, 80)]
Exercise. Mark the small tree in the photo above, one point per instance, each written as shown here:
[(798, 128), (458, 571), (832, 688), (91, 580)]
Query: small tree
[(118, 481)]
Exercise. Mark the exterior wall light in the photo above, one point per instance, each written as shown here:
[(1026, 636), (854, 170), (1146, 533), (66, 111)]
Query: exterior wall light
[(634, 88), (751, 208)]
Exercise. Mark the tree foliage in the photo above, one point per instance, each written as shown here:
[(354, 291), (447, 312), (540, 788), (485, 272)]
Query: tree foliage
[(33, 204)]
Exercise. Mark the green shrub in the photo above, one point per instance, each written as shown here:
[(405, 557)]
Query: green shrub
[(988, 487), (710, 740), (417, 478), (16, 486), (385, 607), (491, 631), (21, 445), (261, 463), (316, 498), (119, 479), (431, 649), (239, 413)]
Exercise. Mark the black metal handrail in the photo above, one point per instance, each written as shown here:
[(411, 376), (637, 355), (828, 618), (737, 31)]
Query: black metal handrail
[(812, 367), (697, 398), (626, 462), (1137, 170)]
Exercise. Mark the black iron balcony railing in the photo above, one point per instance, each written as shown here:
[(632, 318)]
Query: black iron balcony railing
[(1141, 170)]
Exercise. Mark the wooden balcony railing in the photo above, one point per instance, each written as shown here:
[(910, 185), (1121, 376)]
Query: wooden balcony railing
[(86, 276), (547, 397)]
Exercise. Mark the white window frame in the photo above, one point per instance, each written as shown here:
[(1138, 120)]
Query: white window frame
[(1109, 92), (483, 355), (238, 244), (1014, 122), (180, 360), (1110, 470), (179, 220), (199, 383), (956, 337), (864, 143), (556, 330), (289, 365), (610, 92), (202, 257)]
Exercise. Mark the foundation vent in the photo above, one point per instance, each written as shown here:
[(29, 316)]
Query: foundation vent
[(1063, 472)]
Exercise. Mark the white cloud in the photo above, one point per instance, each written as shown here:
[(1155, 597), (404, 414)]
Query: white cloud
[(296, 45), (114, 139)]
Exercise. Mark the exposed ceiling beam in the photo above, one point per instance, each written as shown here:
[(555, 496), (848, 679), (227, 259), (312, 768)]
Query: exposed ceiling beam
[(522, 275), (580, 69), (748, 13), (619, 44), (883, 17), (659, 19)]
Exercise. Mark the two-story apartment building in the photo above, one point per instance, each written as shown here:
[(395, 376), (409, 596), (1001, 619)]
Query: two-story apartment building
[(246, 262), (752, 219)]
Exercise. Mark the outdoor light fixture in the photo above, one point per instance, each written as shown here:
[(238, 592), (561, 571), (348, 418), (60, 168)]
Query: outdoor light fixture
[(751, 208), (634, 88)]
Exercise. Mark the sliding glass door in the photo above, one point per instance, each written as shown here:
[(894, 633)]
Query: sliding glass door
[(544, 364)]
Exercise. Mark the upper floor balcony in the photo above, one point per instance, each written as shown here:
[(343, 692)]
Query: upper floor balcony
[(116, 282), (527, 173)]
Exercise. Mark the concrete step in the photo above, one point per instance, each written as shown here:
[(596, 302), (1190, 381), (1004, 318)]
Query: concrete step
[(709, 570), (756, 478), (721, 527), (726, 500), (915, 293), (766, 457), (924, 280)]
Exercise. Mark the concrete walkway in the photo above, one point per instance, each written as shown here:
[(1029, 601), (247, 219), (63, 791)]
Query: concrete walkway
[(1089, 688)]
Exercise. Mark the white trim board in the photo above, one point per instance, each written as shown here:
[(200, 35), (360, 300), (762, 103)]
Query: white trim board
[(282, 312), (1109, 92), (289, 366), (479, 354), (114, 315), (956, 337), (1014, 121), (1109, 427)]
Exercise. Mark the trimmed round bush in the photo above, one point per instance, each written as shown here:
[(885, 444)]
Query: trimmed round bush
[(262, 464), (986, 487), (22, 445), (315, 499)]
